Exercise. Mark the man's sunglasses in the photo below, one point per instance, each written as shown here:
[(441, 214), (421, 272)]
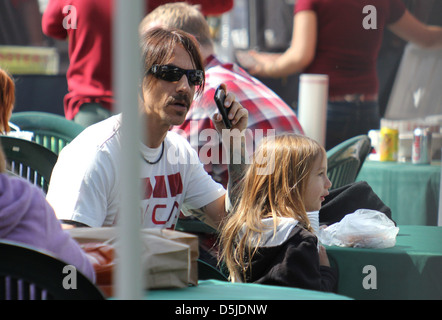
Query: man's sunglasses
[(172, 73)]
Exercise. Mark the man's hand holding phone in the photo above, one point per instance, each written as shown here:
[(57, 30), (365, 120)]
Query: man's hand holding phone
[(238, 116), (232, 115)]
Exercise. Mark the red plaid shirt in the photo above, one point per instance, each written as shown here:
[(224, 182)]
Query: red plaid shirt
[(266, 109)]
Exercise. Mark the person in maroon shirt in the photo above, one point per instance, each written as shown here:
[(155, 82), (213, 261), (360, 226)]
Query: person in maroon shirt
[(88, 26), (342, 39)]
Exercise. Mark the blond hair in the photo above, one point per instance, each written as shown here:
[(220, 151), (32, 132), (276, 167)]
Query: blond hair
[(179, 15), (275, 195)]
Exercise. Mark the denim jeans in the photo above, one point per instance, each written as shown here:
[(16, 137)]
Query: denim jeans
[(348, 119)]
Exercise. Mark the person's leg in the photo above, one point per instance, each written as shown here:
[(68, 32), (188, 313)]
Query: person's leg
[(339, 121), (348, 119), (91, 113)]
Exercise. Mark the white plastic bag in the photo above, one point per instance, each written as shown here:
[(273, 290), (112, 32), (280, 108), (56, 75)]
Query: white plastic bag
[(363, 228)]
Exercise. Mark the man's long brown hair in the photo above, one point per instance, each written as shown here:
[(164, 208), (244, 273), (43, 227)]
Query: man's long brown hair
[(157, 46)]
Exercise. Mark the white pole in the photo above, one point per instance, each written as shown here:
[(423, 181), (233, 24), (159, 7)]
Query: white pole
[(312, 105), (127, 71), (439, 219)]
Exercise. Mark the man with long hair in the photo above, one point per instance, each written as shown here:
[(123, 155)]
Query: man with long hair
[(85, 184)]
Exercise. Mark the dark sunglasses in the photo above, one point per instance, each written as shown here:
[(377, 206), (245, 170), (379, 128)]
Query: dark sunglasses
[(172, 73)]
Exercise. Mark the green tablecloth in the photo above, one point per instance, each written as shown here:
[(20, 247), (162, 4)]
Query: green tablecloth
[(410, 270), (222, 290), (411, 191)]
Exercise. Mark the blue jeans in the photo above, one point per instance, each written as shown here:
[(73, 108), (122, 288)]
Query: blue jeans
[(348, 119)]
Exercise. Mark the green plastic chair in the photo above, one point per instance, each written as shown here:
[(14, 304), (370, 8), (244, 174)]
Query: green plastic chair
[(207, 272), (193, 226), (29, 160), (50, 130), (27, 273), (345, 160)]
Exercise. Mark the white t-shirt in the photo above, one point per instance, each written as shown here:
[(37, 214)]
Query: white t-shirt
[(85, 182)]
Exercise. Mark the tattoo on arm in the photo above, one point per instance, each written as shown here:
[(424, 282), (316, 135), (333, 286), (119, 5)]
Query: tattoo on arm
[(236, 171), (201, 215)]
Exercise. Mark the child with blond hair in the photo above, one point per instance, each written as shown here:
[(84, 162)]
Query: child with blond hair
[(268, 238)]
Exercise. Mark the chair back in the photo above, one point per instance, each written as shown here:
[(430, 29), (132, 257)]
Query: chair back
[(207, 272), (29, 160), (191, 225), (30, 274), (345, 160), (50, 130)]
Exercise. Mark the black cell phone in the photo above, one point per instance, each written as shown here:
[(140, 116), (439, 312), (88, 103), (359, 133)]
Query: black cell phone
[(220, 96)]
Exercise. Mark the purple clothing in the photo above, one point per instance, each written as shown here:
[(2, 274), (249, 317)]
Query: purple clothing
[(26, 217)]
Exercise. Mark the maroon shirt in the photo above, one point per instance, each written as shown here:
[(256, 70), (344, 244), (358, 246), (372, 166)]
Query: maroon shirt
[(346, 51), (89, 74)]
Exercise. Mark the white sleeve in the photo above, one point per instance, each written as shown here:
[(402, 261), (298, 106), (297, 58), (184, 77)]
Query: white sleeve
[(80, 187), (202, 189)]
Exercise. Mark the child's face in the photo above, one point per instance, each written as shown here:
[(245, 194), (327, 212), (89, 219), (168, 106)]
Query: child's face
[(317, 185)]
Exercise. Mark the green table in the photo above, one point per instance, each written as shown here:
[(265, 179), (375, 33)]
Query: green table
[(222, 290), (411, 191), (410, 270)]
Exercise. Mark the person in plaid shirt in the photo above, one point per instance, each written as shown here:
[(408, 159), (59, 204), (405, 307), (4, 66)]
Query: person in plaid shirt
[(266, 109)]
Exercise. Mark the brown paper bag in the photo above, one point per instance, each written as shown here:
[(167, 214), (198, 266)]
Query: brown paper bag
[(168, 257), (184, 238)]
